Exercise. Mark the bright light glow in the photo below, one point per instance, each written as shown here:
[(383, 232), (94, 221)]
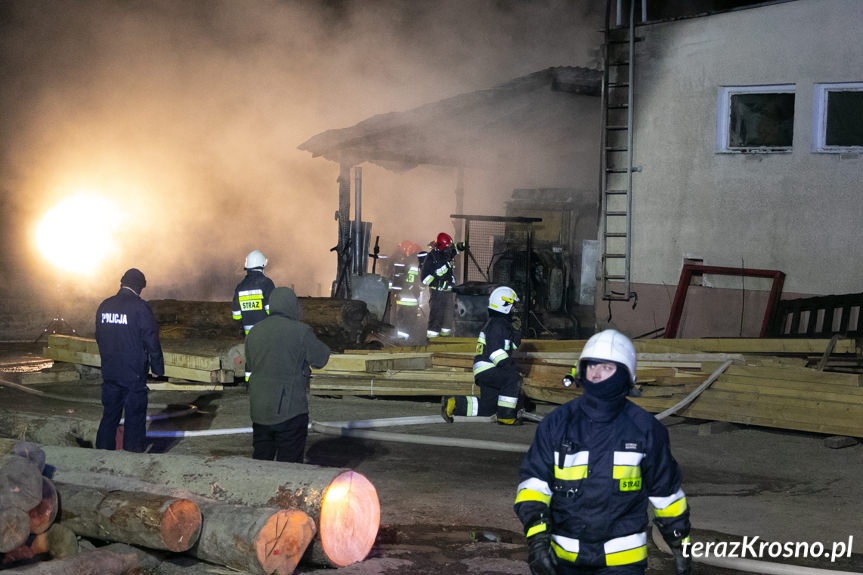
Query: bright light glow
[(76, 234)]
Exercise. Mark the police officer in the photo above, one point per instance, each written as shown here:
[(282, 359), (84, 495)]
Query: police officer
[(594, 465), (493, 369), (128, 339), (437, 274), (251, 301)]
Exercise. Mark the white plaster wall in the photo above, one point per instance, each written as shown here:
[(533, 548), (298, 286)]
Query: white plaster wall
[(800, 212)]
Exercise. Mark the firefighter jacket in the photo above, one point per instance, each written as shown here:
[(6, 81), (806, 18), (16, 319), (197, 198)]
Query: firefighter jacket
[(496, 341), (128, 339), (405, 280), (588, 480), (279, 353), (251, 299), (437, 268)]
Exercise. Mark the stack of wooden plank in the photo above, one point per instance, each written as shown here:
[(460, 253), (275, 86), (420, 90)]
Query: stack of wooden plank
[(203, 361), (768, 383)]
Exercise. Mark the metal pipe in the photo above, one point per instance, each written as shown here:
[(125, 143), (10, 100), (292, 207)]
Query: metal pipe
[(397, 421), (359, 249)]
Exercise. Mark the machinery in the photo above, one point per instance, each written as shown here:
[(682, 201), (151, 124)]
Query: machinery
[(537, 249)]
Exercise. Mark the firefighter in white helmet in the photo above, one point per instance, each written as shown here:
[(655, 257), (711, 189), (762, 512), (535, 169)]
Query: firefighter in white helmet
[(251, 301), (493, 369), (594, 465)]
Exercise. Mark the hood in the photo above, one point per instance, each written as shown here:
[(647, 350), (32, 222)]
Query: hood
[(283, 301)]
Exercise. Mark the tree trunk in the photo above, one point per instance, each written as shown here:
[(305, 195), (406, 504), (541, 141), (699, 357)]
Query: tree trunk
[(20, 482), (343, 503), (115, 559), (145, 519), (14, 528), (42, 516), (27, 450), (256, 540)]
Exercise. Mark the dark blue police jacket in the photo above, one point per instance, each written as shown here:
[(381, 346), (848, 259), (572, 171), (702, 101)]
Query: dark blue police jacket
[(128, 338)]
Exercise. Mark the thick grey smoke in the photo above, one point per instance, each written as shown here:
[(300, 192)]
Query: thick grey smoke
[(188, 116)]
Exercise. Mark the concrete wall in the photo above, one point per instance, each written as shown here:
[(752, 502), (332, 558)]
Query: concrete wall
[(798, 212)]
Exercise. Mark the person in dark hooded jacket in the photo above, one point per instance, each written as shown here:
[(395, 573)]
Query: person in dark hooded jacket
[(280, 353), (128, 339)]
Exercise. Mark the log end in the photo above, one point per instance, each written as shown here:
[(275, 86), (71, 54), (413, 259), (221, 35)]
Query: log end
[(42, 516), (350, 518), (283, 540), (181, 525)]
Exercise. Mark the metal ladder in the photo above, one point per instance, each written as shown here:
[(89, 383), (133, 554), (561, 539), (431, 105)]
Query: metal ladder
[(615, 225)]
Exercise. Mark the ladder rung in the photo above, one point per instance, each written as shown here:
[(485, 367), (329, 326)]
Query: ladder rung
[(615, 277), (615, 192), (615, 170), (615, 235), (616, 128), (618, 84), (616, 149), (618, 107), (615, 214), (619, 63)]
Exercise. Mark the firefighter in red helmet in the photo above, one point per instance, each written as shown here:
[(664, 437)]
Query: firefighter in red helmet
[(437, 275)]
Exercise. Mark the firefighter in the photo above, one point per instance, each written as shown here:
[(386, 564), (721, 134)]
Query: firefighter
[(128, 338), (437, 275), (252, 295), (405, 287), (493, 369), (594, 465)]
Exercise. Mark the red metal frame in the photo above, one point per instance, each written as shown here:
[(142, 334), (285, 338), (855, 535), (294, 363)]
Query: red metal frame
[(690, 270)]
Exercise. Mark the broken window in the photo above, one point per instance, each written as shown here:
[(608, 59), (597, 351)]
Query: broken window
[(756, 119), (838, 118)]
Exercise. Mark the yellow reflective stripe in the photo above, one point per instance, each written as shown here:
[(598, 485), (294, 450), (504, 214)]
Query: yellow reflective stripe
[(627, 557), (507, 401), (563, 553), (531, 495), (673, 510), (481, 366), (506, 421), (237, 315), (538, 528), (570, 473), (625, 472), (498, 356)]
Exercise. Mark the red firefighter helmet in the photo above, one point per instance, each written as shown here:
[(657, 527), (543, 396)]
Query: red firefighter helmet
[(443, 240)]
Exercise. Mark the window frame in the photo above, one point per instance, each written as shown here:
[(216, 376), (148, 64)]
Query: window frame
[(819, 116), (723, 117)]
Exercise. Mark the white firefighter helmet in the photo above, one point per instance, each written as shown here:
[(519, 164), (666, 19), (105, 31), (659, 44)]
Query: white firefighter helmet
[(255, 259), (609, 345), (502, 299)]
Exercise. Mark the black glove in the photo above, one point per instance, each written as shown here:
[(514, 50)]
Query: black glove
[(683, 564), (540, 556), (461, 246)]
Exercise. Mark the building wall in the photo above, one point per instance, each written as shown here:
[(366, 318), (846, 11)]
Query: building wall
[(798, 212)]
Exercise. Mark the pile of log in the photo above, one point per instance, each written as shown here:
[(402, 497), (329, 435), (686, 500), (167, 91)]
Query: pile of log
[(337, 322), (254, 516)]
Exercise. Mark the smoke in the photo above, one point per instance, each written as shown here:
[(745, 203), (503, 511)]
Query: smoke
[(187, 115)]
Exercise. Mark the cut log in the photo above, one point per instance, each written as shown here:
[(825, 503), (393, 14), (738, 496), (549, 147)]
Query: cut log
[(114, 559), (29, 450), (43, 514), (343, 503), (20, 483), (59, 542), (14, 528), (146, 519), (255, 540)]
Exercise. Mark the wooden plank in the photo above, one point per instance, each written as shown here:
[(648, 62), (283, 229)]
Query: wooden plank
[(796, 374), (377, 362), (79, 357), (757, 390), (168, 386), (814, 388)]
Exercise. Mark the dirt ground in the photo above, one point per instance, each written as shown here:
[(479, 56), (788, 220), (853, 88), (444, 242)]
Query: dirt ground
[(449, 510)]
